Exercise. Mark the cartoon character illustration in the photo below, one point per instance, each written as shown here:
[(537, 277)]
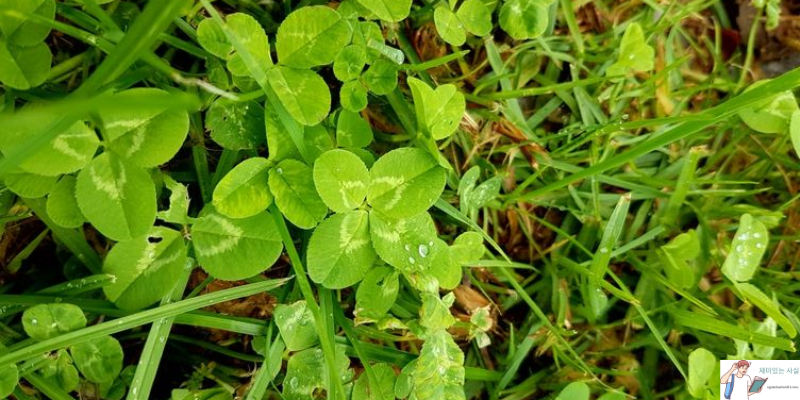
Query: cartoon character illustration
[(738, 384)]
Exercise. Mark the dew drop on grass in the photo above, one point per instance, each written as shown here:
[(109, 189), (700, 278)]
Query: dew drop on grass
[(279, 171), (33, 321), (293, 382), (759, 245), (408, 248), (740, 248), (756, 235), (430, 243), (603, 250), (423, 250), (411, 260)]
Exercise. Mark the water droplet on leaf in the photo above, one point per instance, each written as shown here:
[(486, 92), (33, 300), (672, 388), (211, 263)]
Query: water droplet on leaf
[(423, 250)]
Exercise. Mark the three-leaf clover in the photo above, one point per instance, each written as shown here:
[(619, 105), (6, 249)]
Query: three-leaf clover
[(634, 54), (471, 17)]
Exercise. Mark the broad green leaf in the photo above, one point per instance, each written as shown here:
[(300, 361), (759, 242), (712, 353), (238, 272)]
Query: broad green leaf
[(381, 77), (365, 155), (211, 36), (772, 115), (279, 142), (701, 365), (70, 151), (254, 39), (574, 391), (21, 30), (353, 96), (438, 111), (439, 373), (61, 371), (410, 245), (434, 314), (233, 249), (296, 324), (9, 377), (366, 32), (341, 179), (307, 372), (405, 182), (317, 140), (405, 381), (476, 17), (449, 26), (485, 192), (236, 125), (352, 130), (617, 396), (466, 186), (388, 10), (468, 247), (675, 256), (634, 54), (304, 93), (384, 389), (62, 206), (312, 36), (178, 211), (146, 268), (292, 184), (99, 360), (747, 248), (339, 252), (444, 266), (244, 191), (760, 300), (524, 19), (29, 185), (118, 198), (147, 136), (376, 293), (349, 63), (45, 321), (249, 32), (24, 67), (794, 132)]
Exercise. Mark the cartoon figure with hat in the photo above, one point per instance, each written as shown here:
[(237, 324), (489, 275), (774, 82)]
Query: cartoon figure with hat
[(739, 385)]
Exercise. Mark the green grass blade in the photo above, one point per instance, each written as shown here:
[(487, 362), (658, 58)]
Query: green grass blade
[(153, 350), (138, 319)]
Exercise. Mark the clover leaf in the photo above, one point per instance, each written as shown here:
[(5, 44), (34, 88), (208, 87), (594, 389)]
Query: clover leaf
[(118, 198), (146, 268), (341, 179), (473, 16), (233, 249), (524, 19), (340, 252), (439, 111), (388, 10), (244, 191), (634, 54), (292, 184), (405, 182), (45, 321), (312, 36)]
